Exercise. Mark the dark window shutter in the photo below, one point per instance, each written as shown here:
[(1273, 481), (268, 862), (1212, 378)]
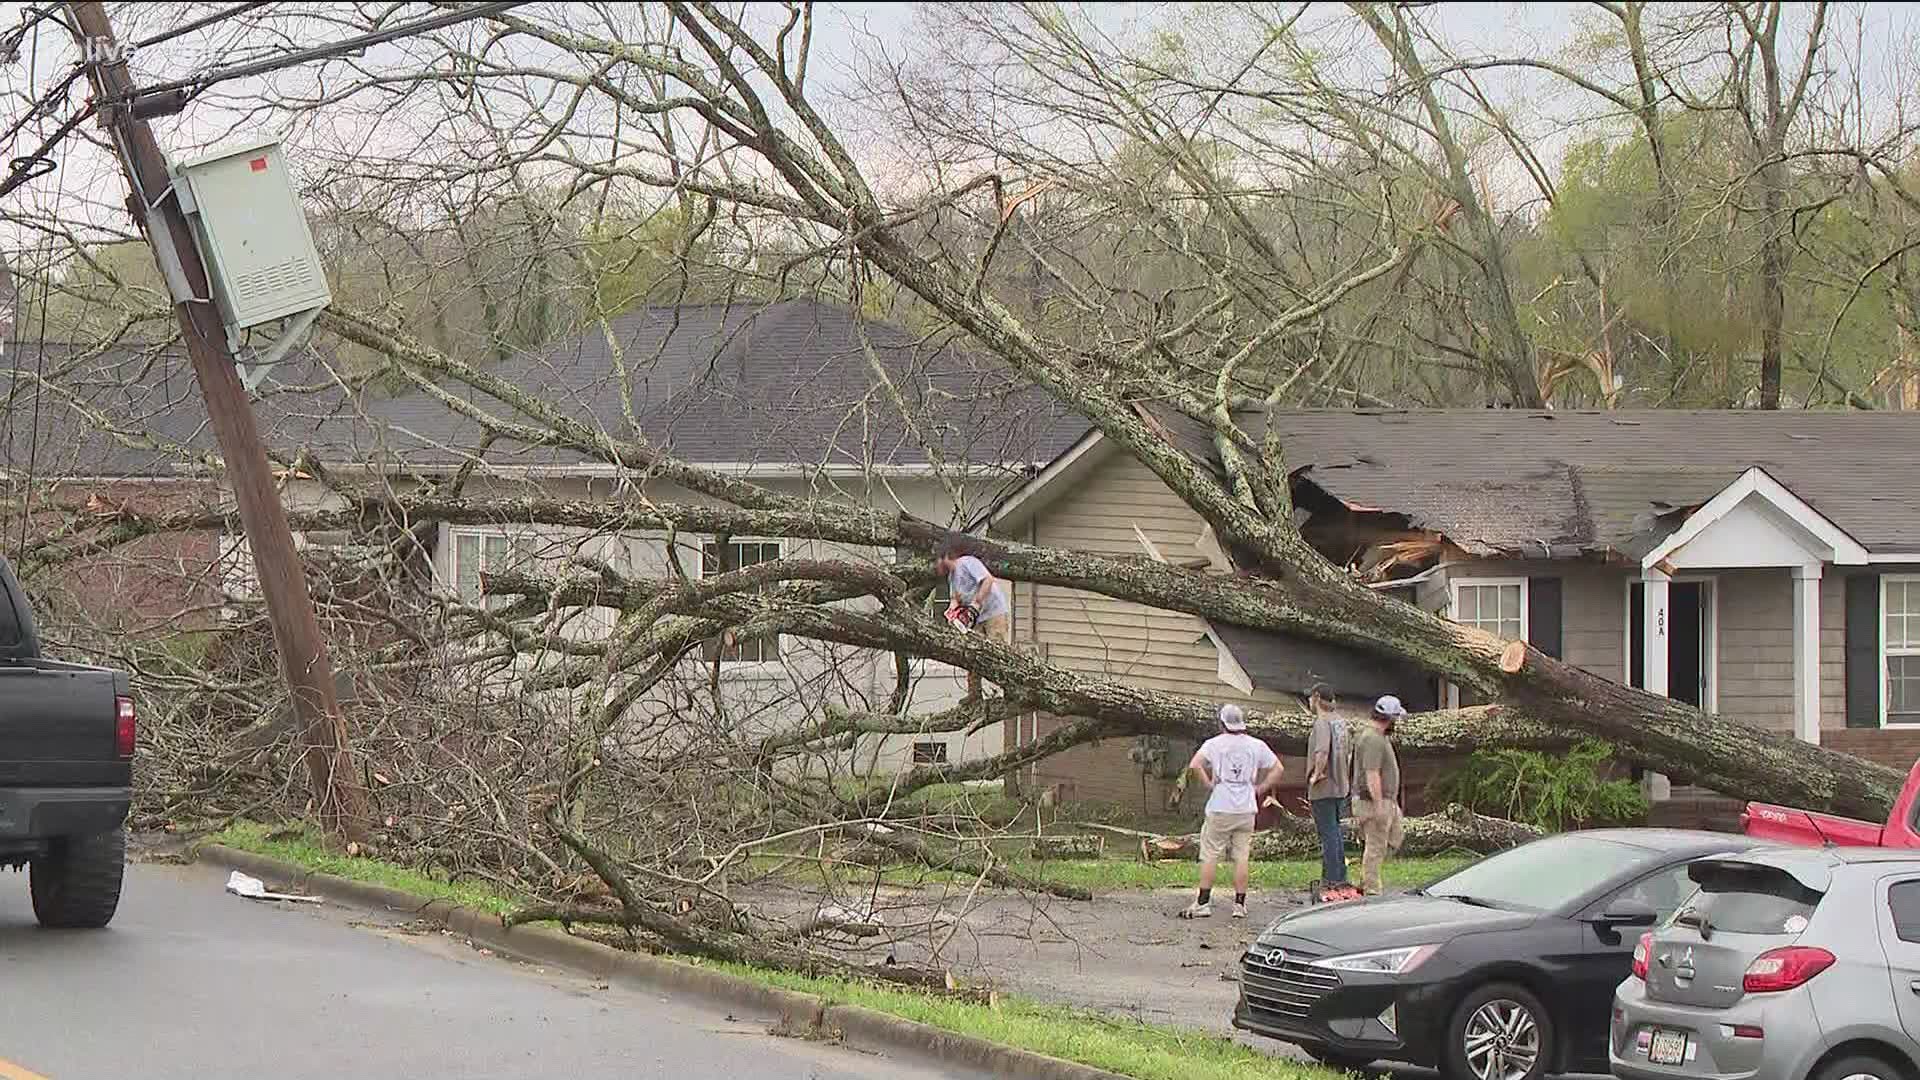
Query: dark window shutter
[(1543, 615), (1863, 650)]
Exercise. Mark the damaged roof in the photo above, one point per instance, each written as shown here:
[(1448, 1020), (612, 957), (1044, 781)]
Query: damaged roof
[(1560, 484)]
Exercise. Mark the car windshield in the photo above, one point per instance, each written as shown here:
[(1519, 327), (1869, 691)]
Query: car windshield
[(1542, 875)]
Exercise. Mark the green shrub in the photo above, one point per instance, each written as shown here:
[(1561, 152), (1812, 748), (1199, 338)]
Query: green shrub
[(1553, 791)]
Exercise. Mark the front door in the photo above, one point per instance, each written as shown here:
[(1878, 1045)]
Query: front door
[(1689, 645)]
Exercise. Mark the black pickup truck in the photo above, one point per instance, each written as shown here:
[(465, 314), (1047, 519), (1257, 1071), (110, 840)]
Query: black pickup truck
[(66, 771)]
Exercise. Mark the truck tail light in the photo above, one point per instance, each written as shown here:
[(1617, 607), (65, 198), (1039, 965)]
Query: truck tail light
[(1642, 954), (125, 726), (1784, 969)]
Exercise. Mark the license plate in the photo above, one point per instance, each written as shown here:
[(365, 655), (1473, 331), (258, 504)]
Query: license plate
[(1667, 1048)]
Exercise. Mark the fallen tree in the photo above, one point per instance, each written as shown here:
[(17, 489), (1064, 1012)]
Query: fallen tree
[(673, 798), (1453, 830)]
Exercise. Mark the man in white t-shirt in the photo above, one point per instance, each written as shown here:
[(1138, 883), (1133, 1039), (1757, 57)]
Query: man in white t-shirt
[(1239, 768)]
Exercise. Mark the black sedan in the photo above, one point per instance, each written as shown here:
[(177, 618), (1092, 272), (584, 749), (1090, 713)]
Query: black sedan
[(1504, 970)]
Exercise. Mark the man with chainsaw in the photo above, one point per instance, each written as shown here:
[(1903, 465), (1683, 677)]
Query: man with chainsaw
[(977, 602)]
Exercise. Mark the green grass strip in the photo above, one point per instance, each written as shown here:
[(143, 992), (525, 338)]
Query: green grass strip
[(1126, 1047)]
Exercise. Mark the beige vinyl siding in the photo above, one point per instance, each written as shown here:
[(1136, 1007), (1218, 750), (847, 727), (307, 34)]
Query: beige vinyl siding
[(1833, 649), (1756, 647), (1100, 635), (1109, 638), (1593, 599)]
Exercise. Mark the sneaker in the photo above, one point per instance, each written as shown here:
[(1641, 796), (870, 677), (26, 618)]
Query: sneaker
[(1239, 910), (1197, 910)]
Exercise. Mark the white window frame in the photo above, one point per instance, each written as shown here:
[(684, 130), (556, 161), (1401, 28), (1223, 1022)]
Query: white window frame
[(482, 533), (1886, 652), (1712, 658), (746, 667), (1453, 610)]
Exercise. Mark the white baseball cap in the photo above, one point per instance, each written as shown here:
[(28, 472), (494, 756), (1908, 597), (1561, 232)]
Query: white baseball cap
[(1389, 706), (1233, 718)]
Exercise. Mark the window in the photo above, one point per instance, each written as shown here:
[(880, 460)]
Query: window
[(1498, 607), (1542, 875), (1900, 607), (942, 597), (475, 553), (1903, 902), (929, 753), (1747, 898), (1662, 891), (739, 555)]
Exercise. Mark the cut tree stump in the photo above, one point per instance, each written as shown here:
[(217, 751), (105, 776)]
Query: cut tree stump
[(1161, 848)]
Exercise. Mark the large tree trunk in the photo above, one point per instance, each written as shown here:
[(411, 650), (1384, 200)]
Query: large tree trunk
[(1453, 830)]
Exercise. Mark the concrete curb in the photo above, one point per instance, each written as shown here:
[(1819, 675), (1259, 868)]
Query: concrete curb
[(799, 1013)]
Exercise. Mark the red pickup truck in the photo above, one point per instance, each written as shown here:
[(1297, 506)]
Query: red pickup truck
[(1790, 826)]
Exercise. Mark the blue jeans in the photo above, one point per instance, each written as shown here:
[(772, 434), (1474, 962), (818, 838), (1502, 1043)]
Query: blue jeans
[(1333, 845)]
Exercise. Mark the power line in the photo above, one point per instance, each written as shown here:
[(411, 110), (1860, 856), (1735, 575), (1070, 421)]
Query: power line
[(183, 89), (163, 98), (197, 24)]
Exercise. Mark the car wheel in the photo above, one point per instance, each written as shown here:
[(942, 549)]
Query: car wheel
[(76, 884), (1334, 1059), (1499, 1032), (1858, 1067)]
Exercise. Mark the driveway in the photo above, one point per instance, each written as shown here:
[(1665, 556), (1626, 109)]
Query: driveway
[(190, 982)]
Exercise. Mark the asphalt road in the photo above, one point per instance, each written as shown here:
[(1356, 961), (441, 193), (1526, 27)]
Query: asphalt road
[(190, 982)]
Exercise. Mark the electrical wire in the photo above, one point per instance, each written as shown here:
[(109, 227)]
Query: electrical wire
[(40, 352), (201, 82), (30, 20), (198, 24), (28, 167)]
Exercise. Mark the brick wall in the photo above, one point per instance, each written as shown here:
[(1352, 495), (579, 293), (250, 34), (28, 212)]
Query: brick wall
[(161, 583), (1896, 748)]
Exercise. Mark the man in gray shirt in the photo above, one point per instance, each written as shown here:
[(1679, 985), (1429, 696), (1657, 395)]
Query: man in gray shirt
[(973, 587), (1329, 768)]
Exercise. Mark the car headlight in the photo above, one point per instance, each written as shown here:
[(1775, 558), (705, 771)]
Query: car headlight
[(1381, 961)]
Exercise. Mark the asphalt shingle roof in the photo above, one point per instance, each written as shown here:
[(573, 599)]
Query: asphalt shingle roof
[(1526, 482), (783, 384)]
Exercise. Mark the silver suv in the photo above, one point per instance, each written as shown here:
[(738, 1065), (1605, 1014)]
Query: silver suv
[(1786, 964)]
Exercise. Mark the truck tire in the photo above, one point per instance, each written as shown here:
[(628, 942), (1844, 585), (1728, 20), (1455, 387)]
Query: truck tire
[(76, 884)]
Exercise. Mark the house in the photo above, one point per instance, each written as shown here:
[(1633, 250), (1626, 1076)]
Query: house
[(785, 394), (1772, 560)]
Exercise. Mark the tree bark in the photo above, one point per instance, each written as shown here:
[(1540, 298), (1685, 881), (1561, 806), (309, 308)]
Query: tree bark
[(1453, 830)]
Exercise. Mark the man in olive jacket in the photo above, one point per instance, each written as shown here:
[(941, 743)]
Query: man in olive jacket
[(1376, 804)]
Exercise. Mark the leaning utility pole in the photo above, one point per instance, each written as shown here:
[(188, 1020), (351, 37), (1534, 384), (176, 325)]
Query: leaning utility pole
[(339, 798)]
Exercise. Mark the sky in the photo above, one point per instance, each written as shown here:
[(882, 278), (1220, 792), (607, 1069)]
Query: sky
[(85, 188)]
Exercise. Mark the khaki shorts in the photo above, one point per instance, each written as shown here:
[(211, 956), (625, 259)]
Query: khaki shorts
[(1224, 834), (999, 628)]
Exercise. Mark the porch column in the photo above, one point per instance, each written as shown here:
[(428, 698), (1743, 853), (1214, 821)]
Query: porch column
[(1653, 657), (1806, 653)]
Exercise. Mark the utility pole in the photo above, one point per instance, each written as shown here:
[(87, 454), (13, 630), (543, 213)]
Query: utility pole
[(339, 797)]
